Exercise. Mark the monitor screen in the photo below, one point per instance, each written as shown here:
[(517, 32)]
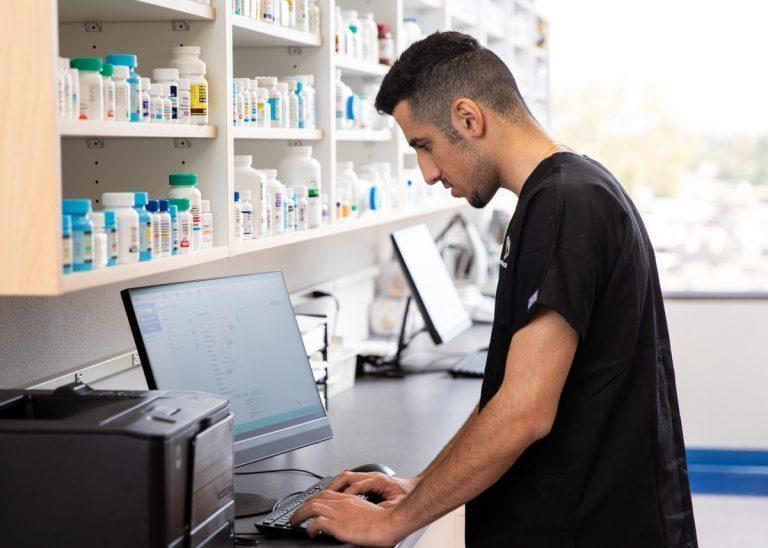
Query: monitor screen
[(236, 337), (430, 283)]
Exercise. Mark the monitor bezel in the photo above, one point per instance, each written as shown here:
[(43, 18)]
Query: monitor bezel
[(321, 427), (437, 338)]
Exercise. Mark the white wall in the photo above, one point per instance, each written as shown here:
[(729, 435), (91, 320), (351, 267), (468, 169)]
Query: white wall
[(720, 350)]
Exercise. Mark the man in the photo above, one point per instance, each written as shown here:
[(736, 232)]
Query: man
[(576, 440)]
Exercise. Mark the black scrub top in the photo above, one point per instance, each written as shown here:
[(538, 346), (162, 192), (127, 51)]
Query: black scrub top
[(612, 471)]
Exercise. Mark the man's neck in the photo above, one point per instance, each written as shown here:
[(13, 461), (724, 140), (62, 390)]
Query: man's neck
[(520, 152)]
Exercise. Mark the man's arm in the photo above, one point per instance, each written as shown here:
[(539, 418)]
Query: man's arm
[(524, 409), (448, 446)]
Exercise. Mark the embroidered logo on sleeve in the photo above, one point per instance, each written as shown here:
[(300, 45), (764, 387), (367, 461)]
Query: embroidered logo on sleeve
[(505, 252), (532, 300)]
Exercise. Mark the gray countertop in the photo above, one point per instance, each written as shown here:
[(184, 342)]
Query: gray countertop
[(402, 423)]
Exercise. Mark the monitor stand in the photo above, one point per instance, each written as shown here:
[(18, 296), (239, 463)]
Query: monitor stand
[(251, 504)]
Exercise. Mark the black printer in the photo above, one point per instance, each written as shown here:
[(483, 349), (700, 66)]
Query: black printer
[(82, 467)]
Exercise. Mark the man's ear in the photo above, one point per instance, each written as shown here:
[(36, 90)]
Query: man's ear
[(467, 118)]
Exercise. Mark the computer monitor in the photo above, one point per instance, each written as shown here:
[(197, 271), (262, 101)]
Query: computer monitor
[(430, 283), (236, 337)]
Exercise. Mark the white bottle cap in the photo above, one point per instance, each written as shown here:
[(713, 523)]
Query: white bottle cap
[(118, 199), (145, 83), (97, 217), (156, 90), (120, 71), (305, 151), (205, 206), (245, 195), (267, 81), (185, 50), (243, 160), (184, 83), (165, 74)]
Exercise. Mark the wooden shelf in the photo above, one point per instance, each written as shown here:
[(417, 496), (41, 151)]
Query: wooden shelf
[(78, 11), (380, 135), (288, 134), (354, 67), (346, 226), (121, 273), (252, 33), (85, 128)]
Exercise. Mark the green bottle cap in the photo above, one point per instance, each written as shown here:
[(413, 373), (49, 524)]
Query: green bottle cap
[(182, 179), (87, 63)]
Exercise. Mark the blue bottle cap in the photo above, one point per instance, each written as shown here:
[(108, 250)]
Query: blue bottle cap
[(122, 59), (237, 196), (66, 224), (164, 204), (140, 199), (109, 219), (153, 206), (76, 206), (174, 211)]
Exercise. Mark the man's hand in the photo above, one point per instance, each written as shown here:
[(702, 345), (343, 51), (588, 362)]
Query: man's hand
[(349, 519), (392, 490)]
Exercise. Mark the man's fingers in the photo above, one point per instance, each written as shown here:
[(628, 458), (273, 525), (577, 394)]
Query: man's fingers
[(344, 479), (363, 486), (323, 524), (311, 509)]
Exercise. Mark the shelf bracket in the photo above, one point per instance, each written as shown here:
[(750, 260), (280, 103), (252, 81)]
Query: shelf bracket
[(294, 50), (180, 25), (94, 143), (182, 143), (92, 26)]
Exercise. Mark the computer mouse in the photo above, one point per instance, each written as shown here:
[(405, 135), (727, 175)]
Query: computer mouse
[(374, 468)]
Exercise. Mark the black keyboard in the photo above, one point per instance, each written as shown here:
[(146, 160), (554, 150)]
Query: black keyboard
[(278, 522), (472, 366)]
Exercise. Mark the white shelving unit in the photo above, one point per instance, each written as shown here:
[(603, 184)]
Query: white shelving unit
[(85, 159)]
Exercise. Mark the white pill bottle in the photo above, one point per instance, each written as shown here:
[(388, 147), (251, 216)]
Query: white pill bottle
[(248, 178), (187, 60), (184, 185), (127, 219), (300, 169)]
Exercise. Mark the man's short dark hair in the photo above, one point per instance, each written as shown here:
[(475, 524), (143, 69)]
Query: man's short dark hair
[(435, 71)]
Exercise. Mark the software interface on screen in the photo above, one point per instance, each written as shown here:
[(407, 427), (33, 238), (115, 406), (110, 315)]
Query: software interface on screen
[(235, 337), (433, 282)]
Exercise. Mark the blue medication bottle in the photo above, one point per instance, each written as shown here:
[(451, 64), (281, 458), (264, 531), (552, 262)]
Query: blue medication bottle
[(66, 244), (174, 212), (134, 80), (145, 226), (110, 227), (82, 233)]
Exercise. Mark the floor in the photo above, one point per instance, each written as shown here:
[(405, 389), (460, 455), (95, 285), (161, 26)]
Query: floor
[(731, 522)]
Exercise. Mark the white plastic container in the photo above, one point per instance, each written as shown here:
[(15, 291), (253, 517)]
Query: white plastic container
[(100, 246), (170, 77), (275, 99), (185, 114), (91, 88), (206, 218), (247, 178), (109, 92), (246, 208), (346, 182), (184, 185), (343, 93), (127, 219), (370, 38), (299, 169), (239, 232), (156, 104), (315, 209), (74, 109), (285, 119), (144, 99), (275, 192), (187, 60), (167, 105), (122, 93)]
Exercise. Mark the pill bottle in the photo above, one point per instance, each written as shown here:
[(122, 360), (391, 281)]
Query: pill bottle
[(185, 115), (82, 233), (167, 105), (314, 17), (164, 226), (239, 232), (269, 83), (66, 244), (303, 208), (268, 10), (100, 244), (127, 219), (109, 91), (275, 200), (134, 80), (120, 76), (187, 60), (110, 227), (293, 105), (298, 168), (247, 178), (65, 87), (285, 120), (170, 77), (156, 103), (386, 45), (145, 226), (246, 208), (264, 112), (153, 206), (184, 185), (74, 113), (315, 208), (293, 216), (206, 218), (91, 88), (174, 213), (145, 99), (185, 224)]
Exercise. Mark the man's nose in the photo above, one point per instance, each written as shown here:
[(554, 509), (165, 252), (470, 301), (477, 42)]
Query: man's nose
[(430, 171)]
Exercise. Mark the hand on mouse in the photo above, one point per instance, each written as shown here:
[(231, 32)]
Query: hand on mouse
[(391, 489)]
